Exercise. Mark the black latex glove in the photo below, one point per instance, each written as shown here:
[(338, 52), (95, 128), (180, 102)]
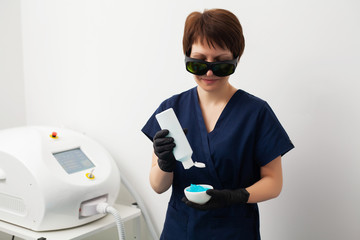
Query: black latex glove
[(221, 198), (163, 148)]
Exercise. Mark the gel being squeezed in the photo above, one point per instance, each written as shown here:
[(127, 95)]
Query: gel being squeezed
[(196, 188)]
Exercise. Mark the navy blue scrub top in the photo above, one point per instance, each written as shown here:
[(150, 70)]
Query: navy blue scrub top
[(246, 137)]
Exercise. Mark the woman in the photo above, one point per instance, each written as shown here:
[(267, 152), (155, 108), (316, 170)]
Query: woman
[(234, 133)]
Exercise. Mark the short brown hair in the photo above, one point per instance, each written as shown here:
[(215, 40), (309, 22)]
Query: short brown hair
[(216, 26)]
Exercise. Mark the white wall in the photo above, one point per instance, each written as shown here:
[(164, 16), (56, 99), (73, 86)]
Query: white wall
[(12, 94), (102, 67)]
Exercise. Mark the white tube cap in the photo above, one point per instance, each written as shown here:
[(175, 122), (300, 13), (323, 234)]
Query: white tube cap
[(188, 163)]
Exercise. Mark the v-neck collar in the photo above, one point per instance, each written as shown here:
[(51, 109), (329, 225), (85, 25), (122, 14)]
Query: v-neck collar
[(205, 136), (222, 115)]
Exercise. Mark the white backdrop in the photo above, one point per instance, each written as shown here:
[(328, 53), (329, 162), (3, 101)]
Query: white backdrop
[(12, 97), (102, 67)]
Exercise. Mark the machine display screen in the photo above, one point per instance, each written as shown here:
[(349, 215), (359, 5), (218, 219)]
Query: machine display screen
[(73, 160)]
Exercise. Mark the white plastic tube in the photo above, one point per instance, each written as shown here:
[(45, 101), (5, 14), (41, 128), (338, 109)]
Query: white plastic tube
[(106, 208), (182, 151), (119, 222), (141, 204)]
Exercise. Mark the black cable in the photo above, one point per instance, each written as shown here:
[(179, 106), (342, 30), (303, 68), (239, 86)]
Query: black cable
[(13, 237)]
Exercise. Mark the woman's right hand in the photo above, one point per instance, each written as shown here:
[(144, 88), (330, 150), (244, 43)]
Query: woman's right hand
[(163, 149)]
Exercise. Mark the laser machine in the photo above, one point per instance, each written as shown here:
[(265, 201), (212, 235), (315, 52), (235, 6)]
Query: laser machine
[(53, 178)]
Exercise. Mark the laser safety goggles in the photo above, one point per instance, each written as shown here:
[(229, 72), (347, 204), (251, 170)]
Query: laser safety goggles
[(220, 69)]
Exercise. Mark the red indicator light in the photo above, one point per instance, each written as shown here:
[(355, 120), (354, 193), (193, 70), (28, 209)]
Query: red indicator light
[(54, 135)]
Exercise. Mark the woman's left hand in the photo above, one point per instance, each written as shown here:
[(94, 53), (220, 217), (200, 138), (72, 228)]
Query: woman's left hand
[(220, 199)]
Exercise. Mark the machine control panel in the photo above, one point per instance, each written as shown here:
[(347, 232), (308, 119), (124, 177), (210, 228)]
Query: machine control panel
[(73, 160)]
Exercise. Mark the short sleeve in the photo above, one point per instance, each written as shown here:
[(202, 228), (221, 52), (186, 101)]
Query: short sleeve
[(271, 139), (152, 126)]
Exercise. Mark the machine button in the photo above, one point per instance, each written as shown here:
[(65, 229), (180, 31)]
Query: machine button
[(54, 135)]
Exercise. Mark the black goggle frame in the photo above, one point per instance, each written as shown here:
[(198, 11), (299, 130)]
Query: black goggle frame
[(213, 66)]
